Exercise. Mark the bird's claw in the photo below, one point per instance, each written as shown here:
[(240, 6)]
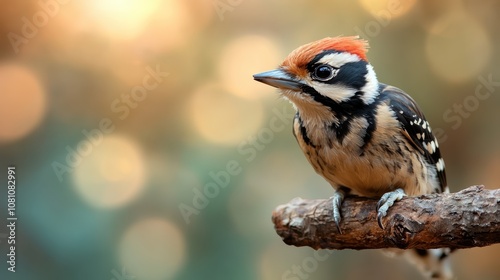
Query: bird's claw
[(380, 215), (337, 199), (385, 202)]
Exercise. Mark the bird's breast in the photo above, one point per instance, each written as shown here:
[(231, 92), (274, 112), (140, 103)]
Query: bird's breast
[(368, 169)]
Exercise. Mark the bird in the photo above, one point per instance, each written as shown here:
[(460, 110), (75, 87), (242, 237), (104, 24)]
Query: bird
[(362, 136)]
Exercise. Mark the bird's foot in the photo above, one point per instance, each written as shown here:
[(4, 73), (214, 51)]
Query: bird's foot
[(386, 201), (337, 199)]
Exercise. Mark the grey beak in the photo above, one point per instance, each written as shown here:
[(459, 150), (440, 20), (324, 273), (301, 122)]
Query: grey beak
[(278, 78)]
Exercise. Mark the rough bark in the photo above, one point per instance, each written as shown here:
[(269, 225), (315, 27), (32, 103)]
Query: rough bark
[(470, 218)]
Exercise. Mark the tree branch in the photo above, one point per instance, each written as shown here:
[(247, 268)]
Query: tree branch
[(470, 218)]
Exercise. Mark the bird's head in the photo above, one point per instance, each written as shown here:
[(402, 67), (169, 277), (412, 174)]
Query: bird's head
[(328, 72)]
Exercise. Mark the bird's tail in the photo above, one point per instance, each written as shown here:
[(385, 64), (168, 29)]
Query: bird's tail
[(433, 263)]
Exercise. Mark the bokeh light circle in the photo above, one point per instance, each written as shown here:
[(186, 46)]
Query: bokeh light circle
[(152, 249), (458, 47), (120, 19), (387, 9), (23, 102), (175, 23), (245, 56), (224, 118), (110, 173)]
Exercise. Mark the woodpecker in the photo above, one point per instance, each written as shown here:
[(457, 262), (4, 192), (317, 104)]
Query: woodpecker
[(364, 137)]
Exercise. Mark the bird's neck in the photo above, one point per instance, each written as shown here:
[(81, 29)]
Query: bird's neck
[(317, 109), (371, 89)]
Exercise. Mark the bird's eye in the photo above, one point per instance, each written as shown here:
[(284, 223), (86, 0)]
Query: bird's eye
[(324, 72)]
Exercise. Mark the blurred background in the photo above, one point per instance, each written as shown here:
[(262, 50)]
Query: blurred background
[(144, 150)]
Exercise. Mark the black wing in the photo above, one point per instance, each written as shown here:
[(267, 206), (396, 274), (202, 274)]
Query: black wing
[(415, 128)]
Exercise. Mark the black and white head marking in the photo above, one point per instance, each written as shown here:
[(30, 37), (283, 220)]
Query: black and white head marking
[(350, 77)]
